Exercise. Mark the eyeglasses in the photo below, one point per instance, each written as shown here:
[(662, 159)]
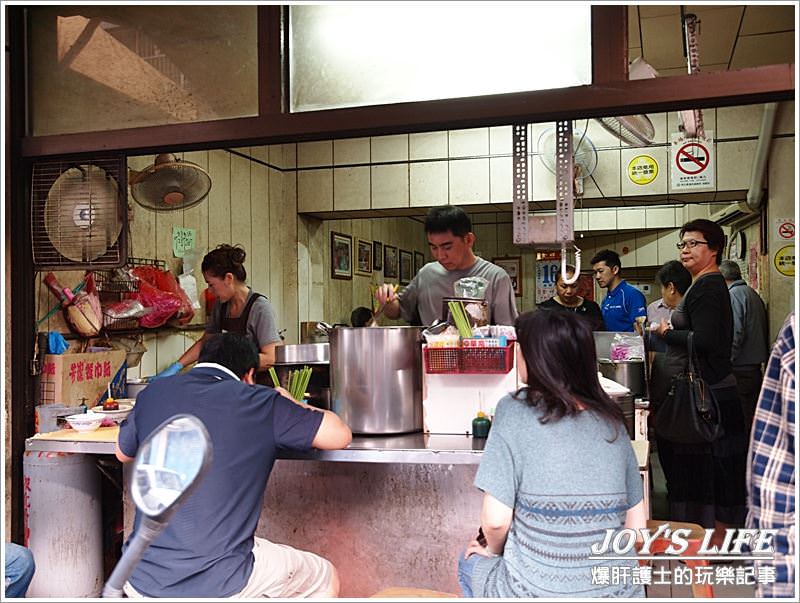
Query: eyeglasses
[(691, 244)]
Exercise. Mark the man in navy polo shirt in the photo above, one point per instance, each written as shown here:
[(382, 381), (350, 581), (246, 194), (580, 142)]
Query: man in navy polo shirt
[(624, 303), (209, 548)]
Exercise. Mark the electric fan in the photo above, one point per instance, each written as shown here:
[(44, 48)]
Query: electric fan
[(78, 213), (634, 130), (584, 155), (170, 184)]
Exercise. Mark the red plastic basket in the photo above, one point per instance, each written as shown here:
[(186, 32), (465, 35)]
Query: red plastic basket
[(441, 360), (496, 361), (487, 360)]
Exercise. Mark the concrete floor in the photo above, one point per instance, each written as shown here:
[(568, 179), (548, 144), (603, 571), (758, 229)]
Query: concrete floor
[(659, 510)]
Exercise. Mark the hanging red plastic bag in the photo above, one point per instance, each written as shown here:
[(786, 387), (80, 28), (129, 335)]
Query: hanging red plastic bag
[(166, 281), (162, 304)]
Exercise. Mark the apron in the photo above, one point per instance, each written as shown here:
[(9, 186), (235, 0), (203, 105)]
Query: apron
[(239, 325)]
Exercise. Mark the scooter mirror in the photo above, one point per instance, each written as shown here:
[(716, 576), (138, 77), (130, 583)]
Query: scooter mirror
[(168, 465)]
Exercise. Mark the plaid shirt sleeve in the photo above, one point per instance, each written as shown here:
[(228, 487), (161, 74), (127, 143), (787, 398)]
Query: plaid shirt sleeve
[(770, 466)]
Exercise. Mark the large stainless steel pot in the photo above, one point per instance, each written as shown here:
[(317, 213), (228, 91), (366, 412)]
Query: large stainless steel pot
[(304, 353), (376, 378), (629, 373)]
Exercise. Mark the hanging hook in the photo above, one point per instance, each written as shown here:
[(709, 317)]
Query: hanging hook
[(576, 276)]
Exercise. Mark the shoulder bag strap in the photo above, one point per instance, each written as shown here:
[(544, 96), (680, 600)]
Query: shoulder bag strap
[(690, 351)]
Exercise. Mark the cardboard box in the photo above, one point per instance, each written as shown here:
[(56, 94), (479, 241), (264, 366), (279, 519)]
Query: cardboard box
[(75, 378)]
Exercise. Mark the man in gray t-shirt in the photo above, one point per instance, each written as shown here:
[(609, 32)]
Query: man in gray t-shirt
[(450, 237)]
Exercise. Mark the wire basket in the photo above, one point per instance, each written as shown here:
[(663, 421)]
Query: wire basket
[(117, 285), (487, 360), (441, 360), (497, 361)]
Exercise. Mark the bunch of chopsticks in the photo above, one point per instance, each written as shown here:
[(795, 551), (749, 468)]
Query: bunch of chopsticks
[(298, 381), (460, 318)]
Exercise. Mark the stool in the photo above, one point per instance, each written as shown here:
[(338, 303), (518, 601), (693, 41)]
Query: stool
[(402, 592), (695, 538)]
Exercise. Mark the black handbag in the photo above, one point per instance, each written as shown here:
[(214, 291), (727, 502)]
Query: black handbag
[(690, 412)]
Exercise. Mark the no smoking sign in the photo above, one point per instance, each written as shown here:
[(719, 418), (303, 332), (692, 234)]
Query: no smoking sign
[(784, 228), (692, 163), (692, 158)]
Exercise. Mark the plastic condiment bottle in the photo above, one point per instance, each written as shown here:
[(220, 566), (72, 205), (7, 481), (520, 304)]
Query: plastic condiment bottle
[(481, 425)]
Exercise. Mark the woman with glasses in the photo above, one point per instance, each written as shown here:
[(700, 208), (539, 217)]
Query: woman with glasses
[(706, 482)]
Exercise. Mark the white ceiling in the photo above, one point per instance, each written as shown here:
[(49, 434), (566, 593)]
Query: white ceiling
[(730, 36)]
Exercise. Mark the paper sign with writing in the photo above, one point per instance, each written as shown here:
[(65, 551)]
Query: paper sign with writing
[(182, 240)]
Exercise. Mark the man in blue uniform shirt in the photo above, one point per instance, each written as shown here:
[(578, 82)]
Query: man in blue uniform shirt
[(624, 303), (209, 548)]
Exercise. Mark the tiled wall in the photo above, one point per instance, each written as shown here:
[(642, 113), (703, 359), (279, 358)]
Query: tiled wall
[(474, 166)]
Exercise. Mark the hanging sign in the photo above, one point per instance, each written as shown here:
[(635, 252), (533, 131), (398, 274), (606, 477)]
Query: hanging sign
[(692, 163), (784, 260), (752, 265), (642, 169), (546, 275)]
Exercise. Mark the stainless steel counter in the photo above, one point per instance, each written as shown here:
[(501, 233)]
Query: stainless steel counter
[(415, 448), (408, 448)]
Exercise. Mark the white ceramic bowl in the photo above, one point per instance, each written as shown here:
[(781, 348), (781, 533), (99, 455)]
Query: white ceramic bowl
[(116, 415), (88, 421)]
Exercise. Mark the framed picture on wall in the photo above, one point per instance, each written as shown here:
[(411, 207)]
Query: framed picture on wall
[(341, 256), (513, 267), (406, 266), (586, 286), (389, 261), (377, 255), (364, 255), (419, 262)]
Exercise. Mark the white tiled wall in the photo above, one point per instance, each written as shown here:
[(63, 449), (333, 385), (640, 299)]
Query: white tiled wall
[(351, 150), (469, 181), (428, 184)]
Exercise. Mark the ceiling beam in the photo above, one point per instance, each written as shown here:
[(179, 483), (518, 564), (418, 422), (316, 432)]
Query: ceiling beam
[(713, 89)]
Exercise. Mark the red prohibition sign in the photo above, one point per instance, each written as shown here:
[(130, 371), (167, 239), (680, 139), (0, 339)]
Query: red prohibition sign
[(786, 230), (695, 164)]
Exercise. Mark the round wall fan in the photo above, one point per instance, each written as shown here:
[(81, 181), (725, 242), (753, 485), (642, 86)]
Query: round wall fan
[(81, 217), (169, 184), (584, 154), (634, 130)]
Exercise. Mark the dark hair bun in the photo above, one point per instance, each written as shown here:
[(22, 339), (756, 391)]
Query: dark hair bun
[(237, 254), (226, 258)]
